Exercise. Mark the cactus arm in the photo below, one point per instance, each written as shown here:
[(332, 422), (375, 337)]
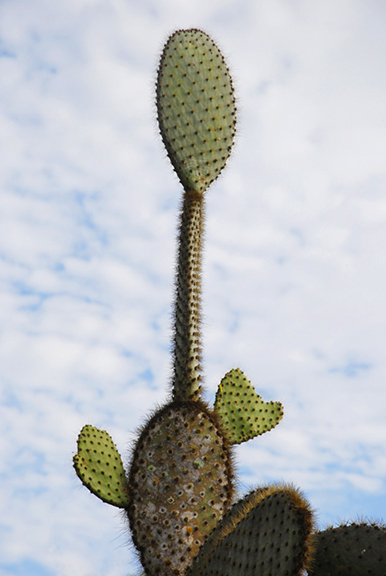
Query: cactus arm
[(181, 478), (187, 312), (268, 532), (242, 413), (196, 116), (99, 467), (352, 550)]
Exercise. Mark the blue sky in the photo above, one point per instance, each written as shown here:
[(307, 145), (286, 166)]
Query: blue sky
[(294, 275)]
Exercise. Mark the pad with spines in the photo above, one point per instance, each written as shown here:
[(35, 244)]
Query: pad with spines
[(99, 466), (242, 413), (196, 108), (181, 485), (267, 533), (352, 550)]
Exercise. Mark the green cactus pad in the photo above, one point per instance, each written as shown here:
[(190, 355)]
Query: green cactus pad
[(99, 466), (267, 533), (241, 412), (181, 485), (196, 108), (352, 550)]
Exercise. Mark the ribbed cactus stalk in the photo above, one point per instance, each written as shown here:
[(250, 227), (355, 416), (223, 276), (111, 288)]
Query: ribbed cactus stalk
[(187, 313), (179, 486)]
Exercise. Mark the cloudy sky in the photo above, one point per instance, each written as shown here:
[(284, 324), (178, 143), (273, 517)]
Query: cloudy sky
[(294, 273)]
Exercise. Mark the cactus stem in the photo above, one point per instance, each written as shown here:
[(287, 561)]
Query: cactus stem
[(187, 312)]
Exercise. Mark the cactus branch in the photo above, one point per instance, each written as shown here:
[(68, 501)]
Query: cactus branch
[(187, 336)]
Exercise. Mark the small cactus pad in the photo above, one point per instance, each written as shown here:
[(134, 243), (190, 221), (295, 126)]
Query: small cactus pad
[(196, 108), (181, 481), (267, 533), (241, 412), (353, 550), (99, 466)]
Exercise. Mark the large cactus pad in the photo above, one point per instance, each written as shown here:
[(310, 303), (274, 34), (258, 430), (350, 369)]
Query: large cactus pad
[(181, 481), (196, 108)]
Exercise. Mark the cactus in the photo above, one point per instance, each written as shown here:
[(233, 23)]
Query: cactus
[(350, 550), (178, 490)]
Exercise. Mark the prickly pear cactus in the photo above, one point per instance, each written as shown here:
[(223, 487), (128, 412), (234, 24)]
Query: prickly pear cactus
[(268, 532), (178, 489), (180, 479), (350, 550)]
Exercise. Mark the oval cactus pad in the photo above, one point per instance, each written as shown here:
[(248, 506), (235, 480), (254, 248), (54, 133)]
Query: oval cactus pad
[(99, 466), (181, 482), (196, 108)]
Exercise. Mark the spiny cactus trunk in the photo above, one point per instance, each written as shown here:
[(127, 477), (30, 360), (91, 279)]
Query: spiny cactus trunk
[(187, 311)]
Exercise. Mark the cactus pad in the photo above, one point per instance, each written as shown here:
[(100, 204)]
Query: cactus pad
[(99, 466), (196, 108), (268, 532), (352, 550), (242, 413), (181, 481)]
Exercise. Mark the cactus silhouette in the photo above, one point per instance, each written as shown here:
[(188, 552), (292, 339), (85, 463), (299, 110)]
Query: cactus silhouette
[(179, 487)]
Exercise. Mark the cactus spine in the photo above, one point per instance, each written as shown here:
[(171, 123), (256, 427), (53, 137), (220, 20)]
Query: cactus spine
[(177, 492)]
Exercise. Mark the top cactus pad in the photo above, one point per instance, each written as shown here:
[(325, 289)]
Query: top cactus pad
[(196, 108)]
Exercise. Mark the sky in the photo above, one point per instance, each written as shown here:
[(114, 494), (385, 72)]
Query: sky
[(295, 242)]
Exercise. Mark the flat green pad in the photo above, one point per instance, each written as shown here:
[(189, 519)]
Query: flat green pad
[(353, 550), (196, 108), (268, 533), (99, 466), (242, 413)]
